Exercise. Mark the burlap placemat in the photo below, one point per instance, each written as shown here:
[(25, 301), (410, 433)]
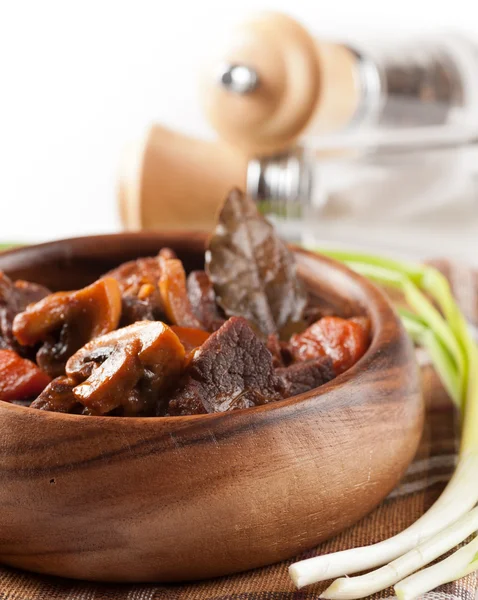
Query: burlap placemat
[(420, 487)]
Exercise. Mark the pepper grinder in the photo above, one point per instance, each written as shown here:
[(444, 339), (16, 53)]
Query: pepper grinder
[(273, 82), (400, 198), (171, 181)]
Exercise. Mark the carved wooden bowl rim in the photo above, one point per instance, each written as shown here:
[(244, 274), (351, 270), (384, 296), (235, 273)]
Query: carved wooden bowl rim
[(378, 309)]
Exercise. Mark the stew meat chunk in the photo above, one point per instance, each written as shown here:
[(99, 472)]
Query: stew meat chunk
[(303, 377), (203, 300), (232, 369), (14, 298)]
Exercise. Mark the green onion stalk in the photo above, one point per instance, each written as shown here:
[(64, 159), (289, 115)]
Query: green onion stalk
[(444, 333)]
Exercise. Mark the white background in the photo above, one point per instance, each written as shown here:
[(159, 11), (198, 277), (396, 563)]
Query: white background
[(80, 79)]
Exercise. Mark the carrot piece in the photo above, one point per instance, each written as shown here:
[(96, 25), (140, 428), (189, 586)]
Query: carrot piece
[(343, 340), (189, 337), (20, 378)]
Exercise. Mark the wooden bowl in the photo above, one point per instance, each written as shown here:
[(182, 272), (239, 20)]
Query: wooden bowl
[(182, 498)]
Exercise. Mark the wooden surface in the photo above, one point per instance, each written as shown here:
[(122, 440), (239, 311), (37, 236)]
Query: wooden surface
[(304, 85), (182, 498), (153, 192), (270, 118)]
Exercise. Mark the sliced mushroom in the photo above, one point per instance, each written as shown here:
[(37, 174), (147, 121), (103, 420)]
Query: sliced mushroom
[(65, 321), (58, 397), (174, 295), (128, 369), (304, 376)]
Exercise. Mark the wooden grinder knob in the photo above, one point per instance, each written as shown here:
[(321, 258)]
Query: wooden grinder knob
[(272, 80), (170, 181)]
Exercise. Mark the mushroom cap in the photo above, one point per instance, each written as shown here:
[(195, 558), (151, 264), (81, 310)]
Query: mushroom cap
[(110, 367)]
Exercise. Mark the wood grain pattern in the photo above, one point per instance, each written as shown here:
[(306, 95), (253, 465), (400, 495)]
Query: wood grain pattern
[(172, 499)]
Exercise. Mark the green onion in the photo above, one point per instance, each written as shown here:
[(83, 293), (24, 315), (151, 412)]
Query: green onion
[(406, 564), (438, 352), (452, 568), (432, 319), (7, 246), (446, 337)]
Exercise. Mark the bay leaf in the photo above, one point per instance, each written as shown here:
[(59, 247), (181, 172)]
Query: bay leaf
[(253, 272)]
